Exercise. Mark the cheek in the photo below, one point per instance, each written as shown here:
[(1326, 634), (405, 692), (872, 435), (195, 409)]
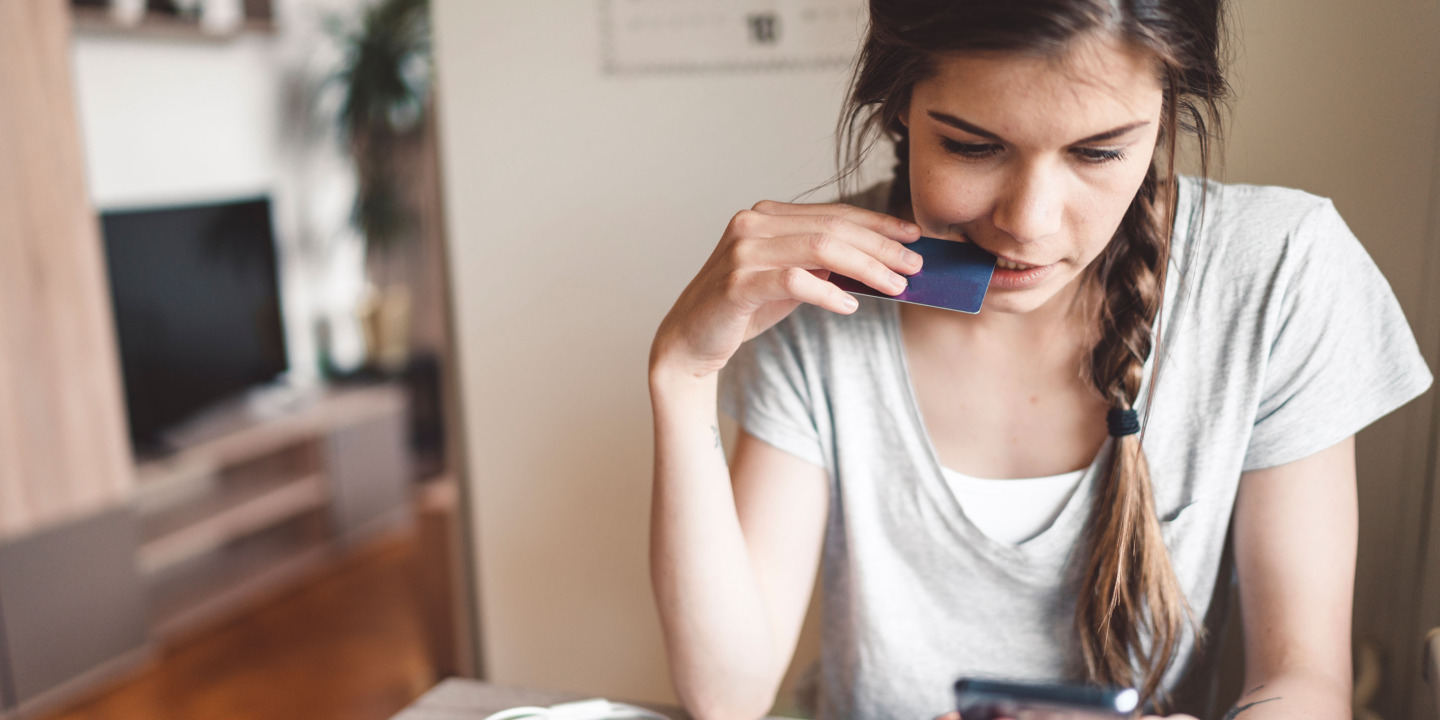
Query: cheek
[(945, 193), (1098, 215)]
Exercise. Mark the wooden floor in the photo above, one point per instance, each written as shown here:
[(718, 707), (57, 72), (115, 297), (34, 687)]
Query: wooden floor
[(349, 645)]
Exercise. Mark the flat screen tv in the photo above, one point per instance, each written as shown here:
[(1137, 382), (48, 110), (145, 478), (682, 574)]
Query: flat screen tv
[(197, 309)]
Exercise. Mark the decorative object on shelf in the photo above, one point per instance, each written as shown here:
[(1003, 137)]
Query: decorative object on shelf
[(222, 16), (188, 9), (385, 320), (128, 12), (204, 19)]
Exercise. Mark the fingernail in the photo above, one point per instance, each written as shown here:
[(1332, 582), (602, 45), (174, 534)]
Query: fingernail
[(899, 281), (913, 258), (850, 302)]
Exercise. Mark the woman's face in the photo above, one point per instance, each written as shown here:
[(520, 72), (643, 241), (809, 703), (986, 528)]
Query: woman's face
[(1033, 159)]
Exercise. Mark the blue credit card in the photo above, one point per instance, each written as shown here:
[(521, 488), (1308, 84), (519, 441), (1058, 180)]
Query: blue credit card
[(955, 276)]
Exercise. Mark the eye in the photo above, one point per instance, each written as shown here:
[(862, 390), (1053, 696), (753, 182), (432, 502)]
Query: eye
[(970, 151), (1098, 156)]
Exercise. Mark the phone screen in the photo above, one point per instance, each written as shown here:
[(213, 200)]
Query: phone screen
[(981, 699)]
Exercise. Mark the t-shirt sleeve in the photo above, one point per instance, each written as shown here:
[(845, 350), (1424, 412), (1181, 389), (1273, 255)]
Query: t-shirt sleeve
[(1341, 354), (766, 389)]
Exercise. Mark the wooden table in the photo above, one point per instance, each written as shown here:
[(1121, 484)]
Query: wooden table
[(461, 699)]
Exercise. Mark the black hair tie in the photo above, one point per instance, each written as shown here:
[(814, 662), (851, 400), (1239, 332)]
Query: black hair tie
[(1122, 422)]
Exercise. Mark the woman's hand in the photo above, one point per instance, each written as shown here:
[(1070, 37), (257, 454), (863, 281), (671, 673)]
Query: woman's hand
[(770, 259)]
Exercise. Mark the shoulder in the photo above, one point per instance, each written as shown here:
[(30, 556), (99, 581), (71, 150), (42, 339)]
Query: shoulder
[(1248, 219), (1294, 323), (1271, 205), (1259, 236)]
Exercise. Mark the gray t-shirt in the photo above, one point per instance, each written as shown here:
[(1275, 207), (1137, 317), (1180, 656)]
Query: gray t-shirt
[(1283, 338)]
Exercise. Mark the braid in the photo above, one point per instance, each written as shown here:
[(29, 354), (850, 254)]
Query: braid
[(1128, 272), (1132, 606)]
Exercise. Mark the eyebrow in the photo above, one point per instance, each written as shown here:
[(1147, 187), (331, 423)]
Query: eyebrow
[(957, 123)]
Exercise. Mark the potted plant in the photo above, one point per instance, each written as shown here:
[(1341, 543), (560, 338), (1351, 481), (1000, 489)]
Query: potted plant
[(385, 78)]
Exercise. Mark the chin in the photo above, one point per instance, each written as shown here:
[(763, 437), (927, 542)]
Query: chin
[(1017, 302), (1012, 303)]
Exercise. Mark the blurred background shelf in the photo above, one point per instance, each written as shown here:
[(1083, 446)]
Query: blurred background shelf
[(215, 586), (171, 537), (246, 506)]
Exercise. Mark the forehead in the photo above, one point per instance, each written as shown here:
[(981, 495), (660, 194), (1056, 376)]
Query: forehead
[(1095, 84)]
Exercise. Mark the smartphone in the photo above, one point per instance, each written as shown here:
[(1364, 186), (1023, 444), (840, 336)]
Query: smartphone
[(980, 699)]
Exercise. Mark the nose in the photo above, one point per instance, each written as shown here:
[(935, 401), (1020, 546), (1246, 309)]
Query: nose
[(1030, 204)]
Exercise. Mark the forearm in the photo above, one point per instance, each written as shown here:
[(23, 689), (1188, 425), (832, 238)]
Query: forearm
[(1294, 536), (1294, 694), (717, 628)]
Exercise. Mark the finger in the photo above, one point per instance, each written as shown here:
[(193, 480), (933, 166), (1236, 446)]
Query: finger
[(952, 715), (824, 253), (794, 284), (892, 253), (887, 225)]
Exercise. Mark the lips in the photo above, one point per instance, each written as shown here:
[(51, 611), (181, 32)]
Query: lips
[(1001, 261), (1005, 264)]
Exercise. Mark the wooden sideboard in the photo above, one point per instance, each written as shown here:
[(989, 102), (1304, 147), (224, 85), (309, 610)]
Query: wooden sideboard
[(248, 507), (250, 504)]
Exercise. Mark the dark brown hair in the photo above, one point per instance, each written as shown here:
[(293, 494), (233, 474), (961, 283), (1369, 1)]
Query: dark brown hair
[(1130, 610)]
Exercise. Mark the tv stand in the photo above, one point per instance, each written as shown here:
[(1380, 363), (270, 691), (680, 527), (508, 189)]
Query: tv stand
[(248, 505)]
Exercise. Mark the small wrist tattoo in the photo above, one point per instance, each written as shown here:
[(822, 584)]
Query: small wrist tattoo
[(1235, 711)]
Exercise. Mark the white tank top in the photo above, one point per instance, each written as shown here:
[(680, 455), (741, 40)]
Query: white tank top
[(1012, 511)]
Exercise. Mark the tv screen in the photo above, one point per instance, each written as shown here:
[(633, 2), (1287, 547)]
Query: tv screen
[(197, 308)]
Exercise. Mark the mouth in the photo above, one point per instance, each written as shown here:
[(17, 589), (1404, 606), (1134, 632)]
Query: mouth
[(1012, 275), (1007, 264), (1001, 261)]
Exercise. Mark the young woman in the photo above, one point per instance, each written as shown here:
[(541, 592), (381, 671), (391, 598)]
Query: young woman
[(975, 487)]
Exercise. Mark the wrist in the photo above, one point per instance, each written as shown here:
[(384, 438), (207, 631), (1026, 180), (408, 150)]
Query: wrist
[(680, 380), (671, 365)]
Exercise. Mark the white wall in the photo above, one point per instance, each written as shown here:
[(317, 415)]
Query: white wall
[(169, 121), (579, 205), (174, 120)]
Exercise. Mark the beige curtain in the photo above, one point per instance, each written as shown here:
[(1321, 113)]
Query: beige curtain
[(63, 448)]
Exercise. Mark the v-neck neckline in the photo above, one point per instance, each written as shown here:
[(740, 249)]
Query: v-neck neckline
[(933, 479), (1067, 526)]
